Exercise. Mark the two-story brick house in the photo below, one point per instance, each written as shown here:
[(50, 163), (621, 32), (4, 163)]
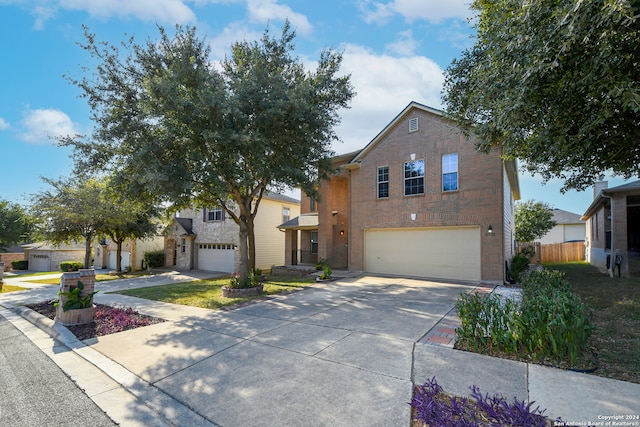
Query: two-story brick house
[(418, 200), (207, 239)]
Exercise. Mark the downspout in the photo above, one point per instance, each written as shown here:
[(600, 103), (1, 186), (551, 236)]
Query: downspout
[(612, 259)]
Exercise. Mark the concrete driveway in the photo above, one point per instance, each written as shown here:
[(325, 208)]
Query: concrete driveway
[(337, 354)]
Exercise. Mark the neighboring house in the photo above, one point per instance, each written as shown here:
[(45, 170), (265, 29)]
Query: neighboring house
[(613, 226), (207, 239), (418, 200), (132, 254), (14, 253), (570, 227), (47, 256)]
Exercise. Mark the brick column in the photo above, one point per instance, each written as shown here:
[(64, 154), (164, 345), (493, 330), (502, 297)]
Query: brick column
[(81, 315)]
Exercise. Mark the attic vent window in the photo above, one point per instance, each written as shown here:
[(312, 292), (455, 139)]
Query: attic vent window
[(413, 124)]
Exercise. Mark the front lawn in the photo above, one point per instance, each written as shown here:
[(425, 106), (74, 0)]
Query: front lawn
[(10, 288), (616, 318), (208, 293), (99, 277)]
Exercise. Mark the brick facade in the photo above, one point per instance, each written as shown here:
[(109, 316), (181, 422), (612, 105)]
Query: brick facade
[(349, 202)]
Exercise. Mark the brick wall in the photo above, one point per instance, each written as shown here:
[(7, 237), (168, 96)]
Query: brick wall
[(8, 257)]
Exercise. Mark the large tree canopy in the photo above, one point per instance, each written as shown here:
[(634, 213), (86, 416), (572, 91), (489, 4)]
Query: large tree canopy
[(173, 125), (556, 84)]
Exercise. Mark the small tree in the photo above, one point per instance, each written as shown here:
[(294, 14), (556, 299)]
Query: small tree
[(533, 220), (70, 210), (15, 224)]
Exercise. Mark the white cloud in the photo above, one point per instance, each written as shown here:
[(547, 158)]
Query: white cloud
[(164, 11), (412, 10), (405, 45), (4, 124), (264, 11), (384, 84), (221, 44), (40, 126)]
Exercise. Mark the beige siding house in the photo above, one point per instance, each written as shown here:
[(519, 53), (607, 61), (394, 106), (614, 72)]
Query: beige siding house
[(207, 239)]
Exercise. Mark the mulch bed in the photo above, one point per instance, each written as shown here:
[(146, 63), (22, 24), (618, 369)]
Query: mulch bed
[(108, 320)]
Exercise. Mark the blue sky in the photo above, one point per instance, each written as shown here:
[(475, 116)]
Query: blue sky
[(395, 51)]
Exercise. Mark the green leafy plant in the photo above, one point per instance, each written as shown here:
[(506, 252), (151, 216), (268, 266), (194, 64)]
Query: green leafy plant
[(255, 278), (70, 266), (154, 259), (326, 273), (321, 264), (74, 298), (519, 265), (20, 265)]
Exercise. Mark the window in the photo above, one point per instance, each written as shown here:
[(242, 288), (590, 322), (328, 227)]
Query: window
[(215, 214), (314, 242), (286, 213), (413, 124), (414, 177), (383, 182), (183, 243), (450, 172), (312, 204)]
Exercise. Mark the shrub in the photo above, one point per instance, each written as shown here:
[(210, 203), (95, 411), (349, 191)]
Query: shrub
[(154, 259), (551, 323), (71, 266), (519, 265), (22, 264)]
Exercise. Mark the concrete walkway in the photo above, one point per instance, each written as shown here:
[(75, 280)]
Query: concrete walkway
[(342, 354)]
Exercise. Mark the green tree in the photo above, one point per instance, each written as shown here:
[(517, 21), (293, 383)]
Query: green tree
[(127, 218), (15, 224), (176, 127), (71, 210), (556, 84), (533, 220)]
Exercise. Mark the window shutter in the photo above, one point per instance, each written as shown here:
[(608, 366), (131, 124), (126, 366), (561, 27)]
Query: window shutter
[(222, 214), (204, 214)]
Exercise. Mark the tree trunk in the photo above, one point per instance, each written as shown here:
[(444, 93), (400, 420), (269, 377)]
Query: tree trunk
[(87, 251), (119, 255), (243, 264), (251, 237)]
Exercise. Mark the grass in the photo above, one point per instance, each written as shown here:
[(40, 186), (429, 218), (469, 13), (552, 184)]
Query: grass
[(616, 318), (9, 288), (208, 293), (39, 273), (99, 277)]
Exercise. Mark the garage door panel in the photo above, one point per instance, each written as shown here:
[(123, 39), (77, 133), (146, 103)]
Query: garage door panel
[(445, 253), (216, 257)]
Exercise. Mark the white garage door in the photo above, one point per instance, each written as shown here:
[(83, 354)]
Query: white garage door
[(38, 262), (126, 259), (216, 257), (443, 253)]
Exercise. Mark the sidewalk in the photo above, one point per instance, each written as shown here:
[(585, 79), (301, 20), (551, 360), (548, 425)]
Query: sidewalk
[(344, 353)]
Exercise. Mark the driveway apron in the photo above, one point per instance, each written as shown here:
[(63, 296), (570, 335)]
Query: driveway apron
[(333, 354)]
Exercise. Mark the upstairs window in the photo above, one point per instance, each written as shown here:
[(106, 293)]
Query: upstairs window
[(383, 182), (215, 214), (312, 204), (414, 177), (450, 172), (286, 214)]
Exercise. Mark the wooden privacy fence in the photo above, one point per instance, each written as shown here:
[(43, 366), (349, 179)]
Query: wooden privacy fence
[(557, 252)]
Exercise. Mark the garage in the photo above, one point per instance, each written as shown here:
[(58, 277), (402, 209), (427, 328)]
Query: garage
[(216, 257), (451, 253), (39, 262), (126, 259)]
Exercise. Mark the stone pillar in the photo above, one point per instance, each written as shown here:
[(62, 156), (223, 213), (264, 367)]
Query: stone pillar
[(68, 281)]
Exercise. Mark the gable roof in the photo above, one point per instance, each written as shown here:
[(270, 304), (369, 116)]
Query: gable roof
[(511, 166), (280, 197), (187, 225), (565, 217), (412, 105), (602, 196)]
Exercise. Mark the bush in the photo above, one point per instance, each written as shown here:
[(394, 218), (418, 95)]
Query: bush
[(22, 264), (551, 323), (519, 265), (154, 259), (71, 266)]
